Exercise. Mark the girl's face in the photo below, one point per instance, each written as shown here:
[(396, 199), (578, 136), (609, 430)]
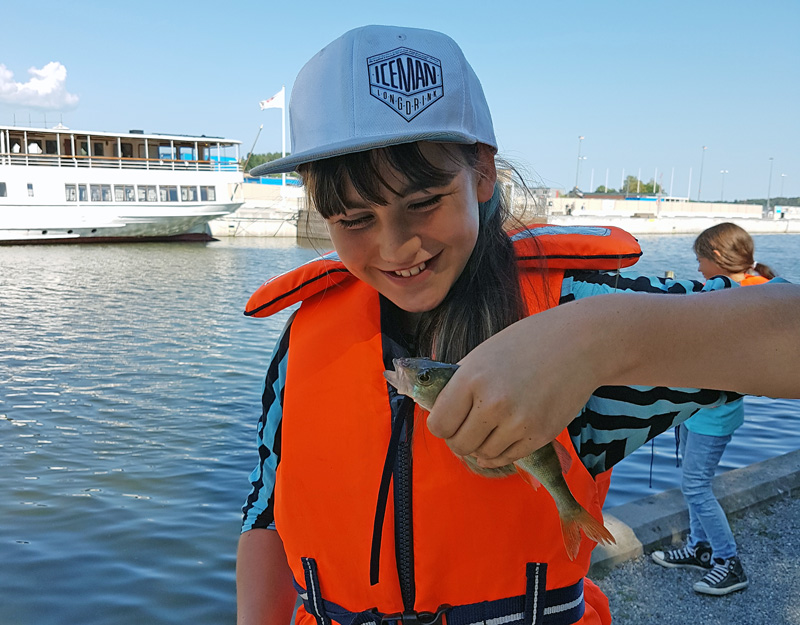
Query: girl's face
[(413, 248), (709, 268)]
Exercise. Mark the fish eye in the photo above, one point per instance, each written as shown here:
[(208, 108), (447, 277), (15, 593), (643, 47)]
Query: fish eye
[(424, 377)]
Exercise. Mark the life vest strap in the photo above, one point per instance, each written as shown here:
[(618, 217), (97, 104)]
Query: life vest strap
[(538, 606)]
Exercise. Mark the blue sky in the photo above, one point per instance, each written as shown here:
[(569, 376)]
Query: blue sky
[(647, 83)]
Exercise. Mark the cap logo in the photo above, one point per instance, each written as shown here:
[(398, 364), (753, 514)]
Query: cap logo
[(405, 80)]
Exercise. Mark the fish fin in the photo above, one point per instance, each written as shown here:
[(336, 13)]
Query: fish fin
[(564, 459), (570, 532), (527, 477)]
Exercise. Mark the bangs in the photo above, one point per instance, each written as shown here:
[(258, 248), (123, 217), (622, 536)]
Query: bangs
[(326, 180)]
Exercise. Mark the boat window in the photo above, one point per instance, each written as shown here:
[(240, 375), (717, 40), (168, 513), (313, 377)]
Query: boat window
[(188, 194), (30, 189), (106, 192), (82, 195), (50, 146), (71, 192), (84, 150), (124, 193), (97, 149), (3, 192), (168, 193), (147, 193), (95, 189), (208, 194), (165, 152), (127, 150)]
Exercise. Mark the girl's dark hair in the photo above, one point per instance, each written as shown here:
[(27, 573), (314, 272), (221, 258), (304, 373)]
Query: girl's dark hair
[(486, 297), (731, 248)]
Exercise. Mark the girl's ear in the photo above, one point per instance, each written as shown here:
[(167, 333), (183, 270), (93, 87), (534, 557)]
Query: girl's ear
[(487, 173)]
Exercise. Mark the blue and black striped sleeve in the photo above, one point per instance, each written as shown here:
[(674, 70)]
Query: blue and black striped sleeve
[(619, 419), (259, 506)]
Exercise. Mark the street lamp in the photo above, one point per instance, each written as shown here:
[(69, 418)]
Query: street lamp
[(578, 170), (782, 177), (722, 195), (769, 184), (700, 184)]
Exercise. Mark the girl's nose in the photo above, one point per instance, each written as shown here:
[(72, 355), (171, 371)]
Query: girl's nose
[(399, 243)]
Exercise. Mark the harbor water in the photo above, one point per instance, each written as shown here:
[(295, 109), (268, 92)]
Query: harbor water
[(129, 393)]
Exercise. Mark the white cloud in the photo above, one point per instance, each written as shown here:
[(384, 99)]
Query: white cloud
[(46, 89)]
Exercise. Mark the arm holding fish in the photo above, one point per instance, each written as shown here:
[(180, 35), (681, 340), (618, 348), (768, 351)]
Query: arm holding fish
[(518, 390)]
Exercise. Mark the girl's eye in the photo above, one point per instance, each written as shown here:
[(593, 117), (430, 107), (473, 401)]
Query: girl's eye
[(430, 202), (358, 222)]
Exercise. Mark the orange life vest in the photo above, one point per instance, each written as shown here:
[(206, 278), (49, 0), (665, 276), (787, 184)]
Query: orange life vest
[(753, 280), (465, 538)]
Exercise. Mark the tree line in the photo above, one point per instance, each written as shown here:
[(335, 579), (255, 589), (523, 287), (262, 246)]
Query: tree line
[(633, 186), (253, 160)]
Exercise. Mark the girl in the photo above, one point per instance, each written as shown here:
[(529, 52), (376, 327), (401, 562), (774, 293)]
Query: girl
[(722, 250), (358, 503)]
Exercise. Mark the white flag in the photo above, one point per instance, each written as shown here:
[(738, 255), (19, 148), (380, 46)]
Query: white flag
[(275, 102)]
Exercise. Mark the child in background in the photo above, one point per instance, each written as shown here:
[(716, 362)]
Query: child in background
[(393, 137), (722, 250)]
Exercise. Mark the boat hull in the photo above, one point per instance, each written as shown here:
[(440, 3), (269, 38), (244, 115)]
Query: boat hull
[(97, 223)]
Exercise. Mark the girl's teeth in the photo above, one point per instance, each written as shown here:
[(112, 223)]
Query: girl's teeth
[(407, 273)]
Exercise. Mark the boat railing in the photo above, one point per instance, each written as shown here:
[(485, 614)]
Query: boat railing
[(115, 162)]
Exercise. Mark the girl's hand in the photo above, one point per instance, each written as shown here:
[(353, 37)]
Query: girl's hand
[(516, 392)]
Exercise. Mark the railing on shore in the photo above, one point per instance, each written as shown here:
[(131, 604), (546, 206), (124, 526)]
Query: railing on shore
[(115, 162)]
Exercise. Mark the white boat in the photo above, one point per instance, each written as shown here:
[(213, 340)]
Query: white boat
[(62, 185)]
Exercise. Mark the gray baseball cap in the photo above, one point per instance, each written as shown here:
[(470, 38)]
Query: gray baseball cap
[(377, 86)]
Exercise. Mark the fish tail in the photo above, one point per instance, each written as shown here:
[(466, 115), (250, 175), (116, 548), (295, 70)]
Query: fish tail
[(595, 530), (581, 520)]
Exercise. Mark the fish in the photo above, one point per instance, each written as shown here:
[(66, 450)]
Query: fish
[(422, 379)]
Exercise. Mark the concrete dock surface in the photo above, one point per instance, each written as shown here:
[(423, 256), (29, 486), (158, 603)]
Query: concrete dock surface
[(762, 502)]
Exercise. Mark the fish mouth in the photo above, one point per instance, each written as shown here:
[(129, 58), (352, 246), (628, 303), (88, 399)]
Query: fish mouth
[(392, 377), (397, 377)]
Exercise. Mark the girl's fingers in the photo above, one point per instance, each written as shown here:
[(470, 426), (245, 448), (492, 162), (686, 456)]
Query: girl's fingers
[(514, 452), (501, 447), (450, 410)]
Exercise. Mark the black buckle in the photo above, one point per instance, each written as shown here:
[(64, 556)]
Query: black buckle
[(409, 617)]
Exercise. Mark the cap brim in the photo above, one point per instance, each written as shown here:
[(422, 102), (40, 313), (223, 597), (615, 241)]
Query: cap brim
[(291, 162)]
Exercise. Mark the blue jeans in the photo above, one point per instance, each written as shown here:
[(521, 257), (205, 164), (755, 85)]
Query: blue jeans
[(707, 520)]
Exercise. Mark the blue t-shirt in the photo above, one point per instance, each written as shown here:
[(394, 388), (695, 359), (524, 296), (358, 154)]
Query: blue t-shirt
[(719, 421)]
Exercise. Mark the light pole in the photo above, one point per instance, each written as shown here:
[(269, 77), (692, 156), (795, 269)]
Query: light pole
[(700, 184), (722, 195), (782, 177), (578, 170), (769, 183)]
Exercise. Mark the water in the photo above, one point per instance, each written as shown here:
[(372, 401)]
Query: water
[(130, 385)]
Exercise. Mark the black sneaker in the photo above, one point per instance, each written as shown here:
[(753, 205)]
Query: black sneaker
[(726, 576), (685, 558)]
